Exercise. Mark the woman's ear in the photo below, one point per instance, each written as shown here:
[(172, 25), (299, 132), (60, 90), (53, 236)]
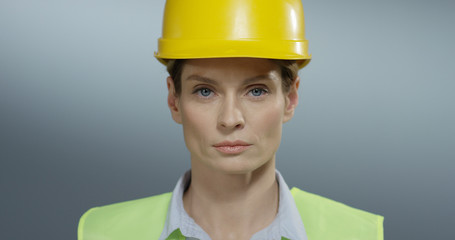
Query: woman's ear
[(292, 99), (173, 101)]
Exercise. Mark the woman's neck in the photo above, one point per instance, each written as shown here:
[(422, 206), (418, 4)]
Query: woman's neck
[(232, 206)]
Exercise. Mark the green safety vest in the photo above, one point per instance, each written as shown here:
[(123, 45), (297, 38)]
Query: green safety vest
[(143, 219)]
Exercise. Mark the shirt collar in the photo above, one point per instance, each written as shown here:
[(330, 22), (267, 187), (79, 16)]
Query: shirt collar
[(287, 223)]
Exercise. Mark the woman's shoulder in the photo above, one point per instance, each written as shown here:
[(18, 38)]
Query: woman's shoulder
[(142, 206), (324, 218), (119, 220)]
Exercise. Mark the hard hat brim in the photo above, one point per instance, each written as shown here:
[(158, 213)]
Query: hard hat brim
[(254, 48)]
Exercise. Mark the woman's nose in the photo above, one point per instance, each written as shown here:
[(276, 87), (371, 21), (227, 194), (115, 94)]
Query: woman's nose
[(230, 115)]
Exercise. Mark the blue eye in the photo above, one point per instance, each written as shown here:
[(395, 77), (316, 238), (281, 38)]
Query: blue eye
[(205, 92), (257, 92)]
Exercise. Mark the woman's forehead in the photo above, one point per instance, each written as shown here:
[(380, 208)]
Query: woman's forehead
[(230, 67)]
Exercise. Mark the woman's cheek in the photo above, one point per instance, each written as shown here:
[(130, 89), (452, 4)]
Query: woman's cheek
[(268, 120), (198, 125)]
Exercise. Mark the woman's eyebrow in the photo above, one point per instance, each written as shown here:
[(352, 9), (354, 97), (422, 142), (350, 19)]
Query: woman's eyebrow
[(267, 77), (247, 81), (199, 78)]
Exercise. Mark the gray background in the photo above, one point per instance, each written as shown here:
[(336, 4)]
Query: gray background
[(84, 120)]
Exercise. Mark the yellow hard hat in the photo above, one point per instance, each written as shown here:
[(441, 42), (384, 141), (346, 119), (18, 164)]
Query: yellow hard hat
[(272, 29)]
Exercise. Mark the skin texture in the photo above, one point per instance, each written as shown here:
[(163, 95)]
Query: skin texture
[(232, 195)]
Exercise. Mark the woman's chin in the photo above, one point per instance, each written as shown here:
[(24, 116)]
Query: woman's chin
[(237, 165)]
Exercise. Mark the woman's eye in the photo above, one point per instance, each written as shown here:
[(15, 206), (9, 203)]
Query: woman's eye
[(204, 92), (257, 92)]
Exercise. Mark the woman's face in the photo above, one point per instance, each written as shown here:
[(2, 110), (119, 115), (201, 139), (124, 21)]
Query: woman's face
[(232, 111)]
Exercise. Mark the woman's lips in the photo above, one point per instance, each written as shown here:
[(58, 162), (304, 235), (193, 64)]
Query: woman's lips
[(235, 147)]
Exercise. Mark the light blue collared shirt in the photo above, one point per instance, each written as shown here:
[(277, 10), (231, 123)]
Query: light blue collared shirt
[(287, 222)]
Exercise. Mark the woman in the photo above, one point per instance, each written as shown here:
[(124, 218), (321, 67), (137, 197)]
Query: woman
[(233, 83), (232, 111)]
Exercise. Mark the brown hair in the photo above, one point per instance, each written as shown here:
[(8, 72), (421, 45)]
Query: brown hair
[(289, 71)]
